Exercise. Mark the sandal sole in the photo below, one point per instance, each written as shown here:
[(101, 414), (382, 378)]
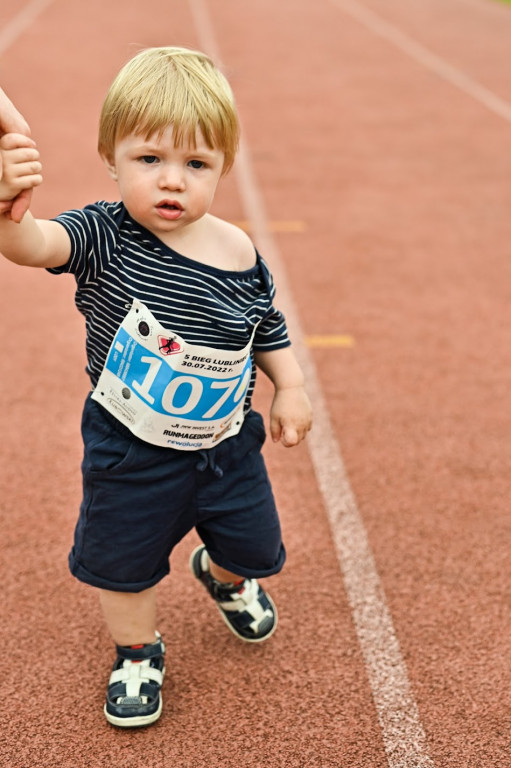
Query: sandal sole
[(134, 722)]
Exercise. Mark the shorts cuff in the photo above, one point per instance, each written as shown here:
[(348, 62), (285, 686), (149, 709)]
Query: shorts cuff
[(85, 576), (248, 573)]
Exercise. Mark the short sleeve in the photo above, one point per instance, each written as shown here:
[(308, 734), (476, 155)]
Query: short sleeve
[(272, 331), (93, 232)]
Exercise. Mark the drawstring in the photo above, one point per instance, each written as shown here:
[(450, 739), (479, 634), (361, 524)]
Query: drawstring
[(208, 460)]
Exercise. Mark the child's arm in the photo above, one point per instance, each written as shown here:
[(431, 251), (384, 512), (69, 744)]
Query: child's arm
[(291, 413), (31, 242)]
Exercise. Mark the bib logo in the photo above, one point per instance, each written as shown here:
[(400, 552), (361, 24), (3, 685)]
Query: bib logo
[(168, 346)]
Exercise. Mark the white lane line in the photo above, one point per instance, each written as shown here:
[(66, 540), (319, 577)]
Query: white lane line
[(20, 22), (425, 57), (402, 732)]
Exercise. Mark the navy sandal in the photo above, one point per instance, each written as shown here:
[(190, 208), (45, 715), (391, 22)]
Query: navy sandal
[(133, 696), (246, 608)]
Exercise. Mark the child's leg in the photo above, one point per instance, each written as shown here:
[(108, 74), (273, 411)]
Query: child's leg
[(220, 574), (238, 524), (133, 695), (130, 616)]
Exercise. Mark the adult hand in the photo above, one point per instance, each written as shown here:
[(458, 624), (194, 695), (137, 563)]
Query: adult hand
[(11, 121)]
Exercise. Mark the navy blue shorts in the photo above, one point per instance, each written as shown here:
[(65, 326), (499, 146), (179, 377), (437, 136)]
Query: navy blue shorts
[(140, 500)]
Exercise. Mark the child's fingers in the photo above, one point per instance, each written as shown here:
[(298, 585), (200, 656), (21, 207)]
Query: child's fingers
[(275, 430), (22, 169), (16, 140), (290, 437), (288, 434), (17, 157), (32, 168), (20, 156), (15, 183)]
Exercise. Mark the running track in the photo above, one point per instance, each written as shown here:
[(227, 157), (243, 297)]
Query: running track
[(376, 178)]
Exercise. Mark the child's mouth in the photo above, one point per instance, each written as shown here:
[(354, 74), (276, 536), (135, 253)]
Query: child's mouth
[(169, 209)]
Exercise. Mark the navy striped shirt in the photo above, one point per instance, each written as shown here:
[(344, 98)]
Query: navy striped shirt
[(115, 260)]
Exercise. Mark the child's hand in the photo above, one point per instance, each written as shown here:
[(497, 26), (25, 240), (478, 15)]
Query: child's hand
[(21, 169), (290, 416)]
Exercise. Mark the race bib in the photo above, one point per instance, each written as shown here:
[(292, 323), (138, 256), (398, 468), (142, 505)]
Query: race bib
[(171, 393)]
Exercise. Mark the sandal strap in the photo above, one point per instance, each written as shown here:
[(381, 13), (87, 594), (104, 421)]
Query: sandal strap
[(137, 671), (134, 675), (151, 651)]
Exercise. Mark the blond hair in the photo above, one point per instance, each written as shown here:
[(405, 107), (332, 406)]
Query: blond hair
[(167, 86)]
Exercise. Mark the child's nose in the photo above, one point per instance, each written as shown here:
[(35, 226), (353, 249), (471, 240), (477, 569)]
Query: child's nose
[(172, 177)]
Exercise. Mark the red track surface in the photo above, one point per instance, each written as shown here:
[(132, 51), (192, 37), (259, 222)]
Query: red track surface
[(401, 180)]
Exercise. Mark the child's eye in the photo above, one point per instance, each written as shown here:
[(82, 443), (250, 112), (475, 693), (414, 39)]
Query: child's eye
[(197, 164), (149, 159)]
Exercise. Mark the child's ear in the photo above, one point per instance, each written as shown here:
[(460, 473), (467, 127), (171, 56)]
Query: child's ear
[(110, 166)]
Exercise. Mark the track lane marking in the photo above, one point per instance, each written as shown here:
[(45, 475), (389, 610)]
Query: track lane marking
[(425, 57), (20, 22), (403, 736), (329, 341)]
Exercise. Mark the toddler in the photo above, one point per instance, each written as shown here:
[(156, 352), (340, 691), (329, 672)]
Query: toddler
[(178, 309)]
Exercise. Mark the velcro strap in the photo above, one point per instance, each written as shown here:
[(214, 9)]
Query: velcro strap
[(140, 654), (136, 673)]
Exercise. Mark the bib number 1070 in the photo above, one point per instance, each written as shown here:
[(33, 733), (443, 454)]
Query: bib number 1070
[(181, 394)]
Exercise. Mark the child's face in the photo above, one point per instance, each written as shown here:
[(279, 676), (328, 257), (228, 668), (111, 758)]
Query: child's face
[(165, 188)]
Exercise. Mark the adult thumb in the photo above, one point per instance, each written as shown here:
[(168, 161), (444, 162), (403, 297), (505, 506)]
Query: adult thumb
[(20, 205)]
